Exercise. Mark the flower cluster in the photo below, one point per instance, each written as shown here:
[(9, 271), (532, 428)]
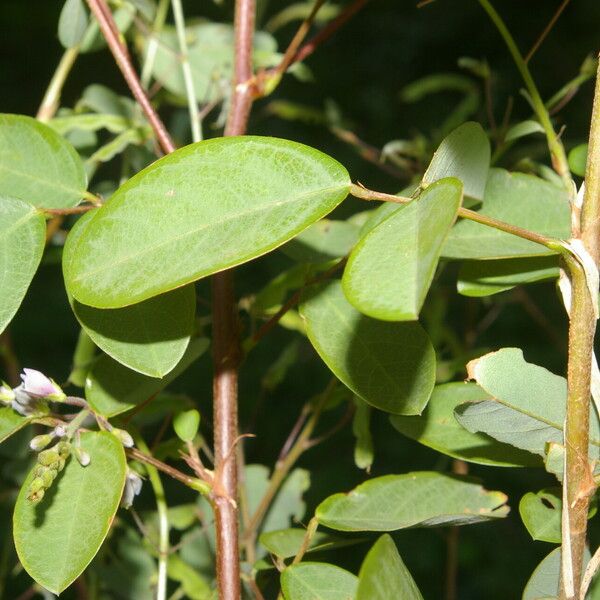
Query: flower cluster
[(31, 396), (49, 464)]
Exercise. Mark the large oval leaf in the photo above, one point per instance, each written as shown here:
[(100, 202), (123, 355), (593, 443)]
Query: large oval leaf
[(464, 154), (519, 199), (22, 239), (389, 272), (38, 165), (389, 365), (318, 581), (57, 538), (111, 388), (424, 499), (383, 574), (438, 428), (202, 209), (149, 337)]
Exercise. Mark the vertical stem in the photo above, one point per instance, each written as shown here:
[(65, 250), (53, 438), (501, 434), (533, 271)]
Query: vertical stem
[(152, 47), (163, 522), (226, 338), (590, 214), (190, 91), (582, 327), (51, 100)]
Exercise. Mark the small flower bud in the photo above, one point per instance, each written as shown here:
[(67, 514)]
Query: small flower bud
[(63, 449), (35, 497), (123, 437), (82, 456), (48, 476), (7, 394), (39, 442), (48, 458), (133, 486), (60, 431), (36, 485), (37, 385)]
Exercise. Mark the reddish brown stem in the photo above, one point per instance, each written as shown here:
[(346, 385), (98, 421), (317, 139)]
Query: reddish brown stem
[(328, 31), (110, 32), (226, 339)]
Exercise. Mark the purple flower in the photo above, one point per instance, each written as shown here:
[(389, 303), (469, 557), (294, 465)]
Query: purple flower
[(37, 385)]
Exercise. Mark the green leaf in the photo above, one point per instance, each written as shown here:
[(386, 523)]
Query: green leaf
[(437, 428), (72, 23), (150, 337), (464, 154), (37, 165), (578, 159), (90, 122), (486, 277), (194, 586), (112, 389), (207, 223), (522, 129), (11, 422), (541, 514), (286, 543), (57, 538), (318, 581), (389, 272), (518, 199), (361, 428), (543, 583), (389, 365), (210, 55), (323, 241), (22, 240), (423, 499), (528, 405), (383, 574), (186, 424)]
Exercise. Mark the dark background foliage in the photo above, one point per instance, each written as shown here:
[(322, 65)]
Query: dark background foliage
[(362, 69)]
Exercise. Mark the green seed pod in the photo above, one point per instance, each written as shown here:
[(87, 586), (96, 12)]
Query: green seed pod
[(48, 457)]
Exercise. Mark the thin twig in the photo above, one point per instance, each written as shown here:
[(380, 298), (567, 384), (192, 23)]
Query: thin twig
[(121, 54), (546, 31), (51, 100), (75, 210)]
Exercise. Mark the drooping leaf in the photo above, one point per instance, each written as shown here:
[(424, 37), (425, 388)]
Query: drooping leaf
[(424, 499), (361, 428), (57, 538), (210, 55), (90, 122), (464, 154), (193, 584), (22, 239), (11, 422), (37, 165), (439, 429), (72, 23), (528, 405), (149, 337), (248, 195), (383, 574), (390, 270), (522, 129), (486, 277), (186, 424), (286, 543), (541, 514), (112, 388), (323, 241), (318, 581), (518, 199), (389, 365)]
